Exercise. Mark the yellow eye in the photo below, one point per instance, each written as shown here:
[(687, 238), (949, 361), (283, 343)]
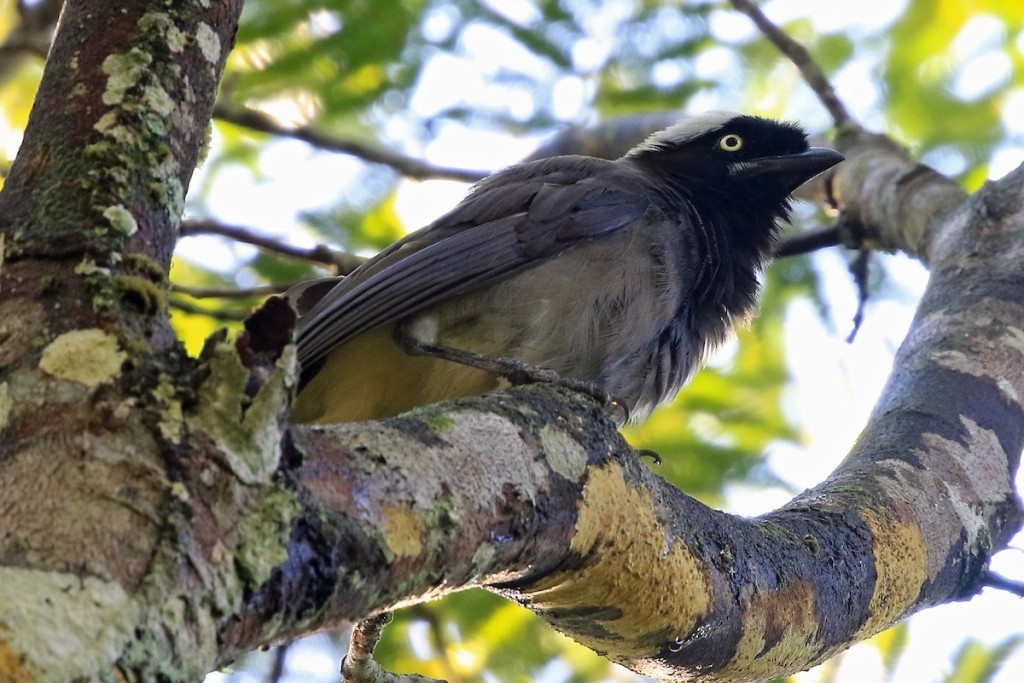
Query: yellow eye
[(730, 143)]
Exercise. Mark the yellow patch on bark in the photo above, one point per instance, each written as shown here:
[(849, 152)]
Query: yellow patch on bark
[(89, 357), (779, 629), (901, 562), (11, 668), (649, 582), (403, 531)]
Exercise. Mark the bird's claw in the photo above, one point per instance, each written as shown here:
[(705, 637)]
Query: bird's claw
[(648, 453)]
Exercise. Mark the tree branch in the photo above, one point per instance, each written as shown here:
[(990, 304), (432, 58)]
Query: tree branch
[(796, 245), (859, 270), (229, 292), (889, 201), (407, 166), (359, 666), (993, 580), (342, 262), (801, 58), (215, 313)]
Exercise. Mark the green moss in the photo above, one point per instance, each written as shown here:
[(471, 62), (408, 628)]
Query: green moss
[(438, 422), (147, 655), (97, 149), (142, 293), (483, 557), (263, 536), (160, 24), (123, 72), (140, 94), (89, 357), (442, 521), (248, 430), (121, 219), (146, 266), (48, 284), (91, 619)]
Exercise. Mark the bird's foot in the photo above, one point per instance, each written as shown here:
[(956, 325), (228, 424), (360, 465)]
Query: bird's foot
[(524, 373), (648, 453)]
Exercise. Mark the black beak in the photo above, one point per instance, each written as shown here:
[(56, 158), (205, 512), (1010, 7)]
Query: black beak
[(788, 171)]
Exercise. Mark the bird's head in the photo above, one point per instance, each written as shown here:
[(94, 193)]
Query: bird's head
[(735, 157)]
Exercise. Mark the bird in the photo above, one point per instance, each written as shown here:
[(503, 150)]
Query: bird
[(620, 275)]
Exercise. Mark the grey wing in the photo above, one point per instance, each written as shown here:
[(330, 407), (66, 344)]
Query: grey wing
[(511, 221)]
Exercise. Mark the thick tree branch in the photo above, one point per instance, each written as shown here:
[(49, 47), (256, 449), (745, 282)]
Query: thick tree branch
[(896, 203)]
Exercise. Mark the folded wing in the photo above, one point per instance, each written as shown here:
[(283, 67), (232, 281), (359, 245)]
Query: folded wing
[(509, 222)]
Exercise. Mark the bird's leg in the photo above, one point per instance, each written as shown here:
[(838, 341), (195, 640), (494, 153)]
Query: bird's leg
[(517, 372)]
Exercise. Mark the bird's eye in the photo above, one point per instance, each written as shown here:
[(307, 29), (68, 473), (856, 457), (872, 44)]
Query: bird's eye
[(730, 143)]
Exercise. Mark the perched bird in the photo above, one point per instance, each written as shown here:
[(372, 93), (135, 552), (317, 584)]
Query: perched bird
[(618, 274)]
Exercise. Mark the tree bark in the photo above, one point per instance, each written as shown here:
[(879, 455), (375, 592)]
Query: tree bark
[(158, 516)]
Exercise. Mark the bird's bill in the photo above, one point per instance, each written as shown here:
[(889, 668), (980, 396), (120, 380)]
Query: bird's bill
[(794, 168)]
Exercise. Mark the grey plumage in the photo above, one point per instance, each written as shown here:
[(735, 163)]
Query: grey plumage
[(622, 273)]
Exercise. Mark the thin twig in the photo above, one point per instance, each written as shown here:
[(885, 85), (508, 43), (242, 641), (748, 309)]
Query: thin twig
[(276, 673), (14, 48), (859, 270), (229, 292), (407, 166), (993, 580), (216, 314), (807, 242), (801, 58), (342, 262), (359, 666)]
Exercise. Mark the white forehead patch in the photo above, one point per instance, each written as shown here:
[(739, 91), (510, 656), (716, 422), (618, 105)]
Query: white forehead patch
[(685, 129)]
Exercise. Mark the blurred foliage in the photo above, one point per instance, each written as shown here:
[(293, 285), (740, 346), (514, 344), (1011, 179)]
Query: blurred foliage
[(975, 662), (400, 74), (958, 59), (472, 635)]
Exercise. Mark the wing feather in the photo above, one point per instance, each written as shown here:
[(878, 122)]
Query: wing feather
[(509, 222)]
